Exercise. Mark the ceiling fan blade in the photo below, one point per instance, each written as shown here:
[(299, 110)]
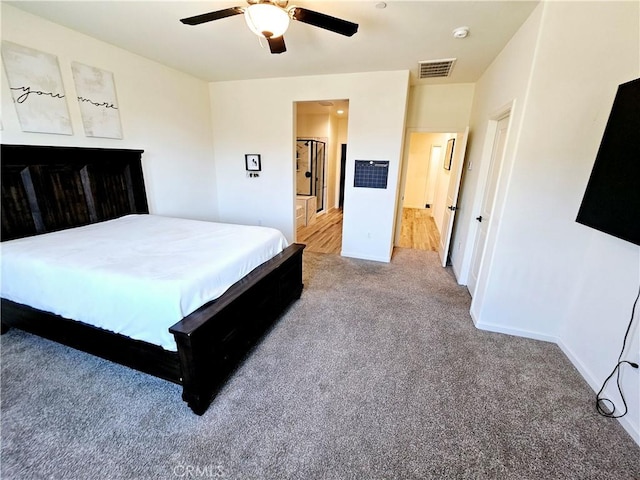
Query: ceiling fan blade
[(317, 19), (209, 17), (276, 44)]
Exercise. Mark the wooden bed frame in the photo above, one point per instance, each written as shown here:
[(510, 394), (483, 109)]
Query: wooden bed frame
[(53, 188)]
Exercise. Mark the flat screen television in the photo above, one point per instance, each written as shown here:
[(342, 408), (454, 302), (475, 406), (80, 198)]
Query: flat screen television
[(611, 202)]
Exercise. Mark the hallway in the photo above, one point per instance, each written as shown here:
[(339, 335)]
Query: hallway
[(418, 230)]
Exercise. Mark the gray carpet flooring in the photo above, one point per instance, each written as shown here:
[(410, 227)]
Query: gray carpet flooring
[(377, 372)]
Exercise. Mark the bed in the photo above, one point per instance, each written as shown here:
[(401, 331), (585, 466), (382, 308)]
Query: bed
[(65, 190)]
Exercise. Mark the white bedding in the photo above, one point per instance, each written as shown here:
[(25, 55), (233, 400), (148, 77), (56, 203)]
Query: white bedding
[(135, 275)]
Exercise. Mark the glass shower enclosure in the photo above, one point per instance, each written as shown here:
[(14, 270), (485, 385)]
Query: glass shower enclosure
[(310, 160)]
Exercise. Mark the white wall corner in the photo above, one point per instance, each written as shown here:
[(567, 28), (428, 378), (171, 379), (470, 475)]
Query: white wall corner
[(632, 429)]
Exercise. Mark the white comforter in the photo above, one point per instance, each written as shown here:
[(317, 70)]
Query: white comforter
[(136, 275)]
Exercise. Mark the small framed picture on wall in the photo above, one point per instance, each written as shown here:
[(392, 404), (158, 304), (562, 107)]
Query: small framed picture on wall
[(448, 155), (252, 162)]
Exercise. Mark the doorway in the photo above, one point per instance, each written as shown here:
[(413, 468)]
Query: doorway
[(430, 178), (418, 229), (499, 128), (321, 142)]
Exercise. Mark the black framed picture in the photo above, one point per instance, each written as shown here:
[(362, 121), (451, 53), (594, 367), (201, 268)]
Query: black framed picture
[(448, 155), (252, 162)]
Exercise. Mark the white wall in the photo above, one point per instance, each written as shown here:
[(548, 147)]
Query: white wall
[(163, 111), (436, 156), (504, 82), (440, 107), (341, 137), (550, 277), (333, 158), (256, 116), (418, 163)]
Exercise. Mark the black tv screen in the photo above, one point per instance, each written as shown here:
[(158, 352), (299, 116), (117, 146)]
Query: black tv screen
[(611, 201)]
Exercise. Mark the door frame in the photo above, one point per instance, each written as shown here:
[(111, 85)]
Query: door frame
[(343, 170), (498, 204), (403, 172), (488, 197)]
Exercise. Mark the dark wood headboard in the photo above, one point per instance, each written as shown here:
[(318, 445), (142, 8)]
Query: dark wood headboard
[(53, 188)]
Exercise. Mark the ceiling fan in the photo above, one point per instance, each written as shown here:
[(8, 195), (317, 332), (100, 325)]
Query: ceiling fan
[(270, 19)]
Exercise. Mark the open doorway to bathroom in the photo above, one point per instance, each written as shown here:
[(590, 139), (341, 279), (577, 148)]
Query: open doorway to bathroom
[(321, 142)]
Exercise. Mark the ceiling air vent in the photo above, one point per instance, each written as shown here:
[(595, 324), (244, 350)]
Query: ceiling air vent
[(436, 68)]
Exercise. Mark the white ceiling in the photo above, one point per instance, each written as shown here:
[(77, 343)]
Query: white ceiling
[(394, 38)]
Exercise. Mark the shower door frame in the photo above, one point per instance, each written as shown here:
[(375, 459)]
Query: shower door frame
[(320, 199)]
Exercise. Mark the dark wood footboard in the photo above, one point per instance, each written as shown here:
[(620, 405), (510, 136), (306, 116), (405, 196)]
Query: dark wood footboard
[(212, 341), (136, 354)]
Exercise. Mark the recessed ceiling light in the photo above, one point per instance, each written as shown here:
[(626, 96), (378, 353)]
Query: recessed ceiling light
[(381, 5), (461, 32), (340, 112)]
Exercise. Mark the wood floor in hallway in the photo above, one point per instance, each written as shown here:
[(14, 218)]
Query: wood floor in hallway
[(324, 235), (418, 231)]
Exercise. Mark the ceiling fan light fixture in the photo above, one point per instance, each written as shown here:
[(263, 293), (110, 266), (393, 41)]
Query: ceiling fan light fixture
[(266, 20)]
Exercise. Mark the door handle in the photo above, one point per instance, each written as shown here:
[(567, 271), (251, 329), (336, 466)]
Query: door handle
[(479, 218), (452, 208)]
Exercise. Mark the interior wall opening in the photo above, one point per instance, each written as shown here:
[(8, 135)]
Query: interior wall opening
[(426, 177), (320, 156)]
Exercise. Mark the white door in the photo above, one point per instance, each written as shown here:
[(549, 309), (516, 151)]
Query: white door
[(488, 201), (459, 149)]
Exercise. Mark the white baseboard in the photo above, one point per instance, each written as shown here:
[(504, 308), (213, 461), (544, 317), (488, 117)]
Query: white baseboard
[(365, 257), (490, 327), (595, 384), (631, 429), (456, 273)]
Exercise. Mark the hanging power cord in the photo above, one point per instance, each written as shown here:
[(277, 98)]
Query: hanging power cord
[(604, 406)]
